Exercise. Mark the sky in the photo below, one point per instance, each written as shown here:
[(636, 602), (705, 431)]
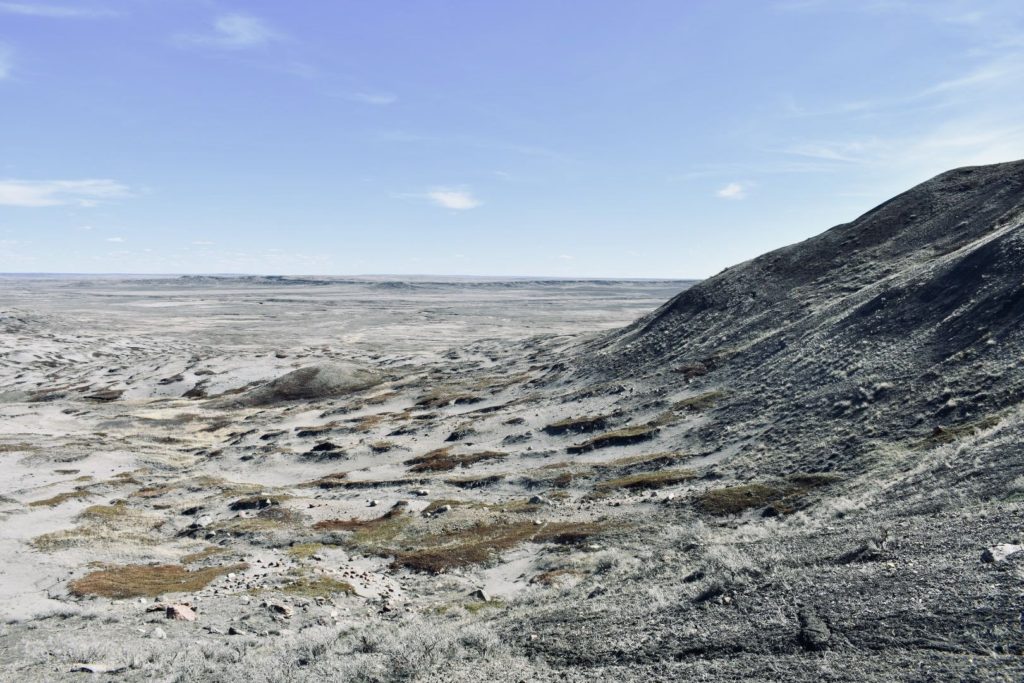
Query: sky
[(568, 138)]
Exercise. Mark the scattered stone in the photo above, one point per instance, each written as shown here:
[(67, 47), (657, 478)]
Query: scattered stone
[(539, 500), (481, 595), (158, 633), (421, 492), (1001, 552), (372, 503)]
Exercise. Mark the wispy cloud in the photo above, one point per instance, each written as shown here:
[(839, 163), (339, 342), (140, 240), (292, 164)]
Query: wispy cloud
[(117, 240), (233, 32), (377, 98), (43, 193), (732, 191), (53, 11), (6, 61), (460, 200)]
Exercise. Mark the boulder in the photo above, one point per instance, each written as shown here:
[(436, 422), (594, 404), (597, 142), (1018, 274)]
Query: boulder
[(312, 383), (1001, 552), (180, 613)]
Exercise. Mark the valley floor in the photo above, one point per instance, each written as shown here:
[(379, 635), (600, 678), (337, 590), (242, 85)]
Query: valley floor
[(453, 504)]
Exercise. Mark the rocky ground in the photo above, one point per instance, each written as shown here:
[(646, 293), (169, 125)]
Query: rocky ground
[(805, 468)]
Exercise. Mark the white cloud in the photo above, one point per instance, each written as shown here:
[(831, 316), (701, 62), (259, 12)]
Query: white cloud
[(732, 191), (453, 199), (202, 243), (377, 98), (40, 193), (6, 61), (234, 32), (565, 257), (115, 239), (52, 11)]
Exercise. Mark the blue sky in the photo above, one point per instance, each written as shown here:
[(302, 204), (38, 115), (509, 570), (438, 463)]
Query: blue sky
[(650, 138)]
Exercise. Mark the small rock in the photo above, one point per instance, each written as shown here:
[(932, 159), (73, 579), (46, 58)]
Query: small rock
[(97, 668), (235, 631), (599, 590), (481, 595), (203, 522), (158, 633), (539, 500), (180, 613), (443, 509), (372, 503), (421, 492), (1001, 552)]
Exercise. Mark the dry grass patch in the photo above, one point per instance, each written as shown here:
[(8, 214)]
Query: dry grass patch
[(577, 425), (152, 491), (645, 481), (619, 437), (475, 482), (446, 396), (370, 535), (644, 462), (77, 494), (134, 581), (442, 460), (205, 553), (944, 435), (317, 587), (268, 519), (304, 551), (329, 481), (383, 446), (553, 577), (438, 553), (700, 402), (778, 498)]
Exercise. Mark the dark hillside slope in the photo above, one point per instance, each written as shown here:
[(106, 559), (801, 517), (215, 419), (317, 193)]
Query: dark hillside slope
[(884, 331)]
